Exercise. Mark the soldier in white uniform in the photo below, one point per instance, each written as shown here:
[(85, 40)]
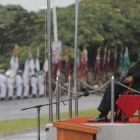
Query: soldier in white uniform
[(34, 85), (41, 84), (10, 86), (26, 87), (3, 85), (19, 83)]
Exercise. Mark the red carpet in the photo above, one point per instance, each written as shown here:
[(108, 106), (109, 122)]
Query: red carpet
[(80, 120)]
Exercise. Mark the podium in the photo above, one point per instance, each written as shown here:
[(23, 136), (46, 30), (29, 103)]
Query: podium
[(71, 131)]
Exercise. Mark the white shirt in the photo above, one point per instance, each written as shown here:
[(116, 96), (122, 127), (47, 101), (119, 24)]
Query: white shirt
[(33, 81), (10, 83), (40, 80), (26, 82), (3, 80), (18, 80)]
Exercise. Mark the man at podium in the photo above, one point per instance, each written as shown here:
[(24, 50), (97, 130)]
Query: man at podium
[(105, 104)]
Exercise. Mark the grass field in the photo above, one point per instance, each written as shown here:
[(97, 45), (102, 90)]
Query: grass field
[(17, 124)]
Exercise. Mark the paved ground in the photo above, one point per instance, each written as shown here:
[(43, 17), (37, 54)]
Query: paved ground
[(12, 109), (28, 136)]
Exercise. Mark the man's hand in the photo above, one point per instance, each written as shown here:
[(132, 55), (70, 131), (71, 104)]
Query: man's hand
[(128, 79)]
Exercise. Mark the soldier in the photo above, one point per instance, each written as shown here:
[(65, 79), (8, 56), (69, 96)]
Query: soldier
[(3, 83), (62, 80), (19, 83), (26, 87), (41, 85), (90, 77), (34, 85), (10, 86), (84, 79)]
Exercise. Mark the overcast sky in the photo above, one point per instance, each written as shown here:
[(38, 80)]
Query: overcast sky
[(35, 5)]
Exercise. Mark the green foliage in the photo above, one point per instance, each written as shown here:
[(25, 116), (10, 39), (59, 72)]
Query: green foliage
[(101, 24)]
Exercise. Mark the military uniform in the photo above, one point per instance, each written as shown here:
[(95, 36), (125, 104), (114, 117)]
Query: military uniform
[(62, 81), (3, 86), (19, 83), (34, 85), (90, 78), (26, 87), (41, 85), (10, 86)]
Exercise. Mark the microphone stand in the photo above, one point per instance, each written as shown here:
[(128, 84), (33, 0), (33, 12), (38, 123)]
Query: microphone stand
[(38, 117), (38, 112)]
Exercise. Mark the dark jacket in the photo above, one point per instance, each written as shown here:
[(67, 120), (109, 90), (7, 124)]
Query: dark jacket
[(135, 73)]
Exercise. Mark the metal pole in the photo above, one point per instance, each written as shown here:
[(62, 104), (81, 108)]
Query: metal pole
[(112, 99), (49, 61), (75, 55), (57, 100), (38, 122), (69, 97), (55, 22)]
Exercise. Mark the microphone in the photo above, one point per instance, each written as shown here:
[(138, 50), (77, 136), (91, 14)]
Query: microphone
[(86, 93)]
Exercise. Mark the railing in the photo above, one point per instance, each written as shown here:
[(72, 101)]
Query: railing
[(72, 96)]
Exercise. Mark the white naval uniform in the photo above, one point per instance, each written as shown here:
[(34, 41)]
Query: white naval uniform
[(19, 83), (3, 85), (26, 87), (41, 84), (10, 86), (34, 85)]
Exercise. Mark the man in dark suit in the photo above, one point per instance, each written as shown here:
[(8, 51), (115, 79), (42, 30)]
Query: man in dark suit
[(105, 105)]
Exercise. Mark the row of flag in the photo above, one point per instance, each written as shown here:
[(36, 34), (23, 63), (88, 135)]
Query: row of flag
[(31, 67), (124, 61)]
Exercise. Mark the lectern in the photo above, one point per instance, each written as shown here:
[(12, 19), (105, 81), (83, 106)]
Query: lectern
[(71, 131)]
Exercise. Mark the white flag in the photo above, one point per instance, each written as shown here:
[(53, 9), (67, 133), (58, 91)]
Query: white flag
[(14, 62), (45, 66), (26, 70), (31, 65), (37, 63)]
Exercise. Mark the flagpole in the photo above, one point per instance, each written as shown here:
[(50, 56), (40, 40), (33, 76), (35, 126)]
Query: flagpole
[(49, 61), (55, 22), (76, 53)]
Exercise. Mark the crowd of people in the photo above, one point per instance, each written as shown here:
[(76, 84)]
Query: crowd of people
[(11, 87), (19, 87)]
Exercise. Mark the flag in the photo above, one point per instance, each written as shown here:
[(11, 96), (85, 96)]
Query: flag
[(37, 63), (67, 60), (84, 62), (108, 61), (67, 65), (59, 63), (97, 63), (138, 57), (26, 69), (78, 66), (56, 63), (14, 62), (122, 63), (126, 60), (55, 57), (104, 59), (121, 59), (31, 65), (115, 59), (45, 65)]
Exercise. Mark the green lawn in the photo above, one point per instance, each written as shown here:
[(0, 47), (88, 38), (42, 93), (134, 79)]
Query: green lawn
[(17, 124)]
